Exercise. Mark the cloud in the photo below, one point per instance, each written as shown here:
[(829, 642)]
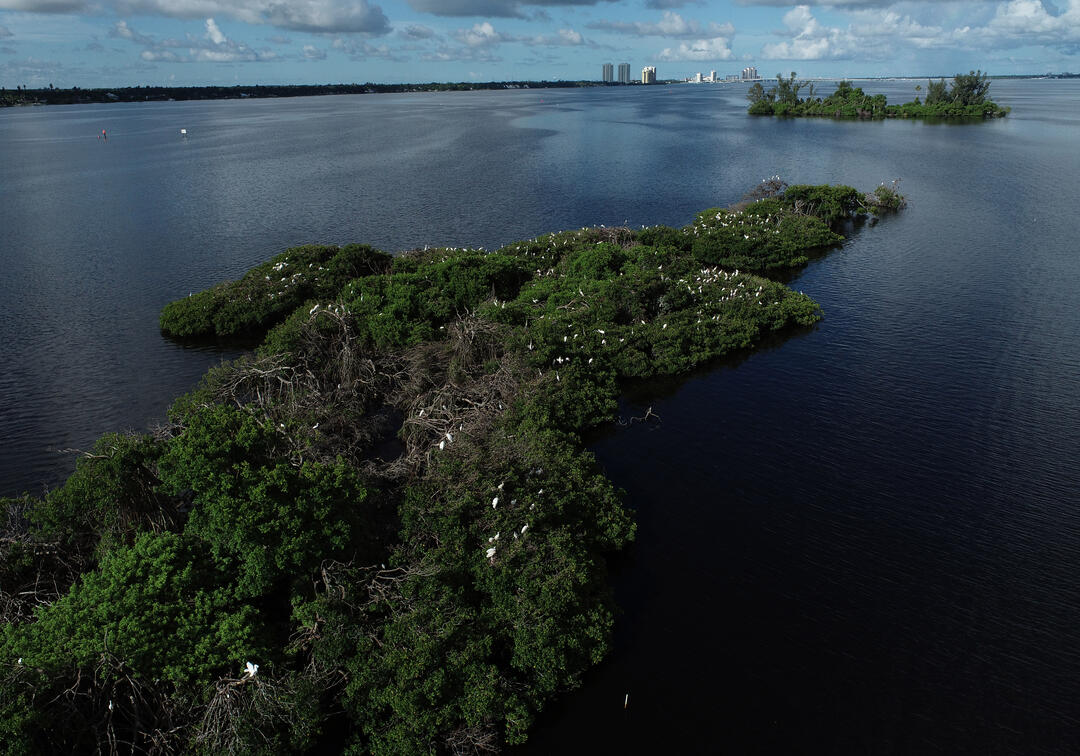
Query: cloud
[(212, 47), (360, 50), (809, 39), (670, 25), (563, 38), (700, 50), (303, 15), (213, 33), (493, 8), (662, 4), (480, 35), (338, 16), (890, 25), (1030, 21), (417, 31), (841, 4), (32, 72), (875, 34), (45, 6), (310, 52)]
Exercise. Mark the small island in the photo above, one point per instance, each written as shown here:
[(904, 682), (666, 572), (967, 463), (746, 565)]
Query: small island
[(382, 530), (966, 98)]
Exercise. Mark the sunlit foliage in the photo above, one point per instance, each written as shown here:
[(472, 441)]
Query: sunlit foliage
[(388, 506)]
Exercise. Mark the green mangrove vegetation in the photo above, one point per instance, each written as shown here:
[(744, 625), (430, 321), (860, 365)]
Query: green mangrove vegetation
[(380, 532), (965, 98)]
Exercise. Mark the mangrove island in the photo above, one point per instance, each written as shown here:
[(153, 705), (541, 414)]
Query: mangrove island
[(380, 531), (966, 98)]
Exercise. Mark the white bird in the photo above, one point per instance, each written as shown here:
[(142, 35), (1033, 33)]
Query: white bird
[(442, 445), (491, 553), (524, 528), (495, 502), (183, 132), (250, 669)]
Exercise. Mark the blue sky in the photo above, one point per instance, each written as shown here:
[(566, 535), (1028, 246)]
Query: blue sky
[(93, 43)]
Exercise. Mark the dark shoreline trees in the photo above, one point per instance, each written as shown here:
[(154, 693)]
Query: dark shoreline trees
[(380, 531), (78, 95)]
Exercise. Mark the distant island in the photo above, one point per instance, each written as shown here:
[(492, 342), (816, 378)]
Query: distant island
[(382, 531), (966, 98), (79, 96)]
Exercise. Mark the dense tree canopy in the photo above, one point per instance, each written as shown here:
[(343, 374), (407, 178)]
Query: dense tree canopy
[(380, 532)]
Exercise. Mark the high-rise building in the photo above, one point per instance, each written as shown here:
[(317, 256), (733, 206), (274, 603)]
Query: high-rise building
[(624, 73), (749, 73), (608, 71), (712, 76), (648, 75)]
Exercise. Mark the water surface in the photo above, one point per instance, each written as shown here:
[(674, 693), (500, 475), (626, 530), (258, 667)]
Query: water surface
[(864, 539)]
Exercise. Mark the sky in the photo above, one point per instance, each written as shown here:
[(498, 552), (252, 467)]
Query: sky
[(103, 43)]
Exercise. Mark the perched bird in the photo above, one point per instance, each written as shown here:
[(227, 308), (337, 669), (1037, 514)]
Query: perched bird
[(250, 669)]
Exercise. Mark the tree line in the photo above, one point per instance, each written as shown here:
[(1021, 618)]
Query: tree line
[(966, 97)]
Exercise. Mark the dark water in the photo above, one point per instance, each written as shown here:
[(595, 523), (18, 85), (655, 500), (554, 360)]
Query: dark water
[(865, 539)]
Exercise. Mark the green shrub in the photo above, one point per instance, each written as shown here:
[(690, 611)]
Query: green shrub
[(264, 516)]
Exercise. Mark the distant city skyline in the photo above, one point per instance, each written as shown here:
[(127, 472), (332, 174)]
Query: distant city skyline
[(194, 42)]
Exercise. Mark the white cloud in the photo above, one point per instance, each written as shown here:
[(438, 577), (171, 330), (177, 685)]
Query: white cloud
[(671, 24), (300, 15), (841, 4), (1029, 20), (480, 35), (493, 8), (809, 39), (564, 38), (661, 4), (310, 52), (45, 6), (212, 47), (875, 34), (213, 33), (891, 25), (716, 48)]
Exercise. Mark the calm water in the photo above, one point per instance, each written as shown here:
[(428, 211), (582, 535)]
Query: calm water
[(865, 539)]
